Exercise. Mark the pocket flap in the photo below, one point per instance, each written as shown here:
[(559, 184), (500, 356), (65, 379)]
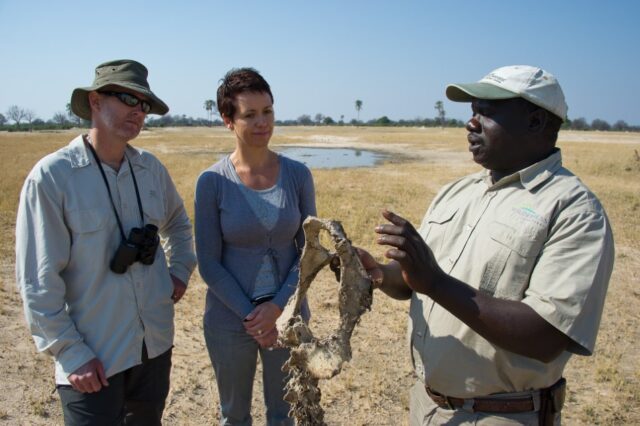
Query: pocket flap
[(508, 236), (85, 221), (153, 208), (442, 217)]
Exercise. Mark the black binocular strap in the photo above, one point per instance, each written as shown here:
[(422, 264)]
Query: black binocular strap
[(106, 183)]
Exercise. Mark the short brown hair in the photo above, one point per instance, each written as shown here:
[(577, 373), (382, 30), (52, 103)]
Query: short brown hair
[(236, 81)]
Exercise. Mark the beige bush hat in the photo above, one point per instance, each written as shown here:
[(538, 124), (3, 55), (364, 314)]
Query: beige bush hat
[(515, 81), (124, 73)]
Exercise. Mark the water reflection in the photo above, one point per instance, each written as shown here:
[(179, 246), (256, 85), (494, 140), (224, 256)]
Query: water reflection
[(330, 158)]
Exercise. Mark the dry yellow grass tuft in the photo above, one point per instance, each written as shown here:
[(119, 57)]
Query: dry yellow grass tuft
[(373, 388)]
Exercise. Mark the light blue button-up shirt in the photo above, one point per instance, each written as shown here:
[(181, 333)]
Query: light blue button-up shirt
[(66, 235)]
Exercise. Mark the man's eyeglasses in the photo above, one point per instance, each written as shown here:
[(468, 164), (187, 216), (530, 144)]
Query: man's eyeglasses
[(129, 100)]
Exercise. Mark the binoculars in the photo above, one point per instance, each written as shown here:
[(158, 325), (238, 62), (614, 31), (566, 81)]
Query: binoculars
[(141, 246)]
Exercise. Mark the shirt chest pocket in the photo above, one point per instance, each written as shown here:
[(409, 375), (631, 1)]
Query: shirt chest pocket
[(437, 230), (90, 228), (87, 221), (153, 208), (511, 261)]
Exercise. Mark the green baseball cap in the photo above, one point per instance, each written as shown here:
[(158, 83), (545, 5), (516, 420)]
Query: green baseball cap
[(124, 73), (515, 81)]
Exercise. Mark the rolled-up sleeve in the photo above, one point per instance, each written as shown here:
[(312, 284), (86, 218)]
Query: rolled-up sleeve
[(42, 252)]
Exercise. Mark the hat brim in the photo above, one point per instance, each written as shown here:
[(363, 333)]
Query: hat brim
[(471, 91), (80, 99)]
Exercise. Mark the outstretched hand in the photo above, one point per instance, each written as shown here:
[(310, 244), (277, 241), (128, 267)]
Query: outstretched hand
[(418, 265)]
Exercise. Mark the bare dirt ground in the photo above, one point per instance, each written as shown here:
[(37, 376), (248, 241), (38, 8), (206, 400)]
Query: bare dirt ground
[(373, 388)]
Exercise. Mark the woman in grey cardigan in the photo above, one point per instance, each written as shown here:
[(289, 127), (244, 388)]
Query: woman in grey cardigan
[(249, 209)]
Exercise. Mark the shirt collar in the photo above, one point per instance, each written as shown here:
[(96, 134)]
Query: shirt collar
[(79, 154), (532, 176), (540, 172)]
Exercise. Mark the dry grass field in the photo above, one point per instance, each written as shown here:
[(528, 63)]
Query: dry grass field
[(373, 388)]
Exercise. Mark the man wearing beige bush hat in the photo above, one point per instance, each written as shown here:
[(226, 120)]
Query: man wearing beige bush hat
[(98, 288), (508, 272)]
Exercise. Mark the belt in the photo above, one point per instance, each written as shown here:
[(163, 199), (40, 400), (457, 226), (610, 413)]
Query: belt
[(483, 404)]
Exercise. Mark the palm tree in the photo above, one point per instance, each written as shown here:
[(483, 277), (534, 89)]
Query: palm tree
[(209, 105), (439, 106), (358, 107)]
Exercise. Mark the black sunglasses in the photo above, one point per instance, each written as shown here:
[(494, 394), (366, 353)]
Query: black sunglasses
[(129, 100)]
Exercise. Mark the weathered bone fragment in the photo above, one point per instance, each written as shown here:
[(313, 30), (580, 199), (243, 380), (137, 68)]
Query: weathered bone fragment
[(312, 358)]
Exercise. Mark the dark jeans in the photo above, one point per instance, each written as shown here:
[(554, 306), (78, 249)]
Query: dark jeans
[(134, 397)]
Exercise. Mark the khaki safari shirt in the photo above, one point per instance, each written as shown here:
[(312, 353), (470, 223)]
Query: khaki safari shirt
[(66, 235), (538, 236)]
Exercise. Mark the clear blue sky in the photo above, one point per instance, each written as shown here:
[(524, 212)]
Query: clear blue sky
[(320, 56)]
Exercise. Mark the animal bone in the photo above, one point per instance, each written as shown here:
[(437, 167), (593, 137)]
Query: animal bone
[(311, 358)]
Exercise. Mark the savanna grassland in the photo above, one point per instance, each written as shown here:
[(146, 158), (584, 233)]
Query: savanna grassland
[(373, 387)]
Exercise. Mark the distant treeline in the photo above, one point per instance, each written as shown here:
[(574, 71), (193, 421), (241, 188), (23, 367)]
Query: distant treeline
[(61, 121)]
